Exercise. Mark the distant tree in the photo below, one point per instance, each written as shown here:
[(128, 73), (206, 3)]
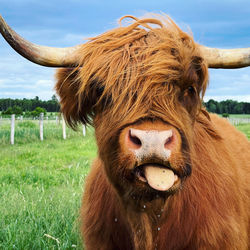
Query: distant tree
[(219, 109), (224, 105), (211, 106), (17, 110), (52, 105), (27, 114), (37, 111), (231, 105), (9, 111), (246, 108), (27, 104), (238, 108), (226, 115), (54, 98)]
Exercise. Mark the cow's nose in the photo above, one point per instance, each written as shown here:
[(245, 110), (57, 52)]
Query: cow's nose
[(145, 143)]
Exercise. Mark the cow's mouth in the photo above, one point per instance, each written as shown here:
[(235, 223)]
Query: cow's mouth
[(158, 177)]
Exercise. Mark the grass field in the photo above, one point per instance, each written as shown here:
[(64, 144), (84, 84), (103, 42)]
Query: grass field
[(239, 116), (41, 185), (245, 128), (40, 188)]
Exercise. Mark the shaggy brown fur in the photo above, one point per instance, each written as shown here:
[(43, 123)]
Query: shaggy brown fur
[(156, 76)]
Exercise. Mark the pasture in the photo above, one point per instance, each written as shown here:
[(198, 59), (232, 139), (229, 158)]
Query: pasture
[(41, 184)]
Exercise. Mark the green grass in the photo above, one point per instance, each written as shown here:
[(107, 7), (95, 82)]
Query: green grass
[(239, 115), (41, 185), (27, 131), (245, 128)]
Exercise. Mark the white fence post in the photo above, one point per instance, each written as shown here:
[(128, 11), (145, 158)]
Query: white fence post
[(83, 130), (12, 131), (41, 126), (64, 128)]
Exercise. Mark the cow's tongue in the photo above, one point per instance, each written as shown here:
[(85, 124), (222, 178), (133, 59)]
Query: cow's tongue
[(159, 178)]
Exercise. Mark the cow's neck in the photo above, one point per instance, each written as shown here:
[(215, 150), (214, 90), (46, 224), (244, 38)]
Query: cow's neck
[(145, 223)]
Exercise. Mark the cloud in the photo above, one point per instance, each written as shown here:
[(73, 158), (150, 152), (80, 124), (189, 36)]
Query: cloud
[(22, 79), (43, 95), (54, 37), (67, 23), (30, 80), (42, 88), (229, 83)]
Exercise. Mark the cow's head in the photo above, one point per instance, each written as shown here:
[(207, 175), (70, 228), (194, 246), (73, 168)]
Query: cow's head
[(142, 88)]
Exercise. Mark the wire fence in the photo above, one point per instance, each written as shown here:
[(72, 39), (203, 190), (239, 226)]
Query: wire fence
[(238, 121), (23, 130)]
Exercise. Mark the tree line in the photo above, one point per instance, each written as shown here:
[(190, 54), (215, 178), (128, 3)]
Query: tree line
[(27, 106), (227, 107)]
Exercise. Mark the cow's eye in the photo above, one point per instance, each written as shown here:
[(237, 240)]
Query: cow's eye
[(189, 99), (191, 90)]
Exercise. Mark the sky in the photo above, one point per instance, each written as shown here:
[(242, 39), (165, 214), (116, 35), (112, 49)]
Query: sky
[(62, 23)]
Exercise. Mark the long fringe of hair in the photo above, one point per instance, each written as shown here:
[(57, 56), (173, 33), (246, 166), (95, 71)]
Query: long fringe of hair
[(140, 63)]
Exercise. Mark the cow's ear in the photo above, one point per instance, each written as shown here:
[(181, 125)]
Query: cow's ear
[(76, 109)]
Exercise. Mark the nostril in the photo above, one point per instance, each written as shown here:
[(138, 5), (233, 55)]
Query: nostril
[(134, 139), (168, 141)]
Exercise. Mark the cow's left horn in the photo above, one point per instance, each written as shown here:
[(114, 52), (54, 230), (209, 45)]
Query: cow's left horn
[(226, 58), (42, 55)]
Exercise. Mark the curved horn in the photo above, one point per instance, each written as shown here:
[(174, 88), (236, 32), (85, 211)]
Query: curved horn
[(66, 57), (226, 58), (42, 55)]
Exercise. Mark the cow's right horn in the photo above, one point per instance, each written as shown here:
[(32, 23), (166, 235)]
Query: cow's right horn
[(42, 55)]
